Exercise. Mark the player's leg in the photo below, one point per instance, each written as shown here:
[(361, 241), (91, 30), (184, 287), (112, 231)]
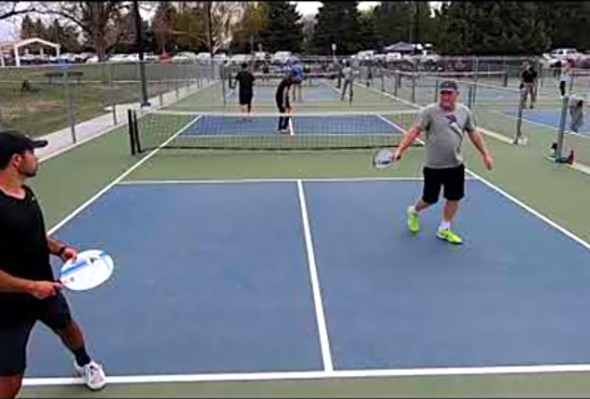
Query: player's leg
[(57, 316), (430, 194), (562, 87), (13, 352), (454, 191), (282, 111)]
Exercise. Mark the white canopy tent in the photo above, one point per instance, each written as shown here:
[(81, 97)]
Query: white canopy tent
[(16, 46)]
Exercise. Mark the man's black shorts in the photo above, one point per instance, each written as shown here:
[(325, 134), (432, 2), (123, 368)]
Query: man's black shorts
[(452, 179), (14, 336), (246, 98)]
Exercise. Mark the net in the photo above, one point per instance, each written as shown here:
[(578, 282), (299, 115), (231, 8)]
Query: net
[(432, 79), (235, 131), (273, 79)]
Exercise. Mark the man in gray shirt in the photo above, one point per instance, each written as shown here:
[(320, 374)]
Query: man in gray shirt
[(444, 124)]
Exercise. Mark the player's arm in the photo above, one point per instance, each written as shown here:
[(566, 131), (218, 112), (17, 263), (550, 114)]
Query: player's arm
[(17, 285), (60, 249), (408, 139), (476, 137)]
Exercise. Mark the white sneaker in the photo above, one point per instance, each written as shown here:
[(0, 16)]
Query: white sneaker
[(93, 375)]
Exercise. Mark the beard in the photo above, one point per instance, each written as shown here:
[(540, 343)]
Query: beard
[(28, 172)]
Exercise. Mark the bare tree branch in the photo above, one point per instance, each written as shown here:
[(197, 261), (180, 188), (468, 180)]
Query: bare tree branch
[(10, 9)]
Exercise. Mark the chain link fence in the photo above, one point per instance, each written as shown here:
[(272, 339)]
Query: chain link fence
[(39, 100)]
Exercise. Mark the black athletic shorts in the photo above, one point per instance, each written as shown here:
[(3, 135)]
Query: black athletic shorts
[(246, 98), (54, 312), (452, 179)]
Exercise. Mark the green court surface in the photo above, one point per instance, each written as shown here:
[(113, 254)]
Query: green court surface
[(557, 192)]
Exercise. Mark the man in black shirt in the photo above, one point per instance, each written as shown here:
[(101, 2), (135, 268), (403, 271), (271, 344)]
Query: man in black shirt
[(28, 290), (246, 90), (283, 103), (528, 85)]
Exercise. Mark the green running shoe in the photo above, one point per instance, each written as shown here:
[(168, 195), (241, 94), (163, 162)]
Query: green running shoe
[(413, 220), (449, 236)]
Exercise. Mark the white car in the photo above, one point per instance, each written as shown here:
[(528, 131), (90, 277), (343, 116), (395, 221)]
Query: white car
[(184, 57), (92, 60), (367, 55), (118, 58), (392, 57), (204, 57), (280, 57)]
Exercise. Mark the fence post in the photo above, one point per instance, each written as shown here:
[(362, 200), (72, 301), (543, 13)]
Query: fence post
[(561, 131), (113, 93), (69, 105)]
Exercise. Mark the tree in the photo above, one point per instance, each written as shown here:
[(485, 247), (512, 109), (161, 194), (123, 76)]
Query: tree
[(27, 29), (492, 28), (40, 29), (9, 9), (95, 19), (337, 22), (247, 34), (308, 23), (162, 26), (392, 22), (65, 35), (284, 29), (367, 33)]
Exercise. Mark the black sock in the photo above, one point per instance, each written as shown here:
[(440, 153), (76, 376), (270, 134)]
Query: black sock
[(82, 358)]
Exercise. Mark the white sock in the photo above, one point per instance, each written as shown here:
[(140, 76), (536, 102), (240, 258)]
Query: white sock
[(444, 225), (413, 209)]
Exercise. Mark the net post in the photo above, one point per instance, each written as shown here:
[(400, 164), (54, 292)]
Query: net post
[(505, 77), (436, 86), (470, 96), (561, 131), (131, 132), (396, 82), (571, 82), (222, 78), (521, 106), (413, 98), (382, 79), (136, 132)]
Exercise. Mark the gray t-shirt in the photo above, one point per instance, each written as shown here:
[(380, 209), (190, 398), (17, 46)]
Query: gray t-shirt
[(444, 132)]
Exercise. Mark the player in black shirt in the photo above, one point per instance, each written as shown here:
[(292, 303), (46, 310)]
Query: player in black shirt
[(28, 290), (283, 103), (528, 84), (246, 89)]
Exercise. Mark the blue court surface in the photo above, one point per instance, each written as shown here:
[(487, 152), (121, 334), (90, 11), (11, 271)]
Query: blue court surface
[(550, 118), (328, 124), (290, 276)]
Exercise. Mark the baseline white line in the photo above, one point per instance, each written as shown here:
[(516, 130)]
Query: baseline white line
[(311, 375), (531, 210), (123, 175), (315, 284)]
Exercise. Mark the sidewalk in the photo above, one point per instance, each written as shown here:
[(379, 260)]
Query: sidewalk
[(61, 140)]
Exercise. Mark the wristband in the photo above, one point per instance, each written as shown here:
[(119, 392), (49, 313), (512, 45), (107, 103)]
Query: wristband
[(62, 250)]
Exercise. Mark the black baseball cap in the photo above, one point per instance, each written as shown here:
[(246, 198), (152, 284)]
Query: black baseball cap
[(13, 142), (448, 85)]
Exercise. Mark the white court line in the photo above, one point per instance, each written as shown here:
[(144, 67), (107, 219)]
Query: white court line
[(123, 175), (313, 375), (531, 210), (315, 284)]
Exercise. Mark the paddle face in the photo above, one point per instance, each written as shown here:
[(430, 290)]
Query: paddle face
[(89, 270), (383, 159)]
